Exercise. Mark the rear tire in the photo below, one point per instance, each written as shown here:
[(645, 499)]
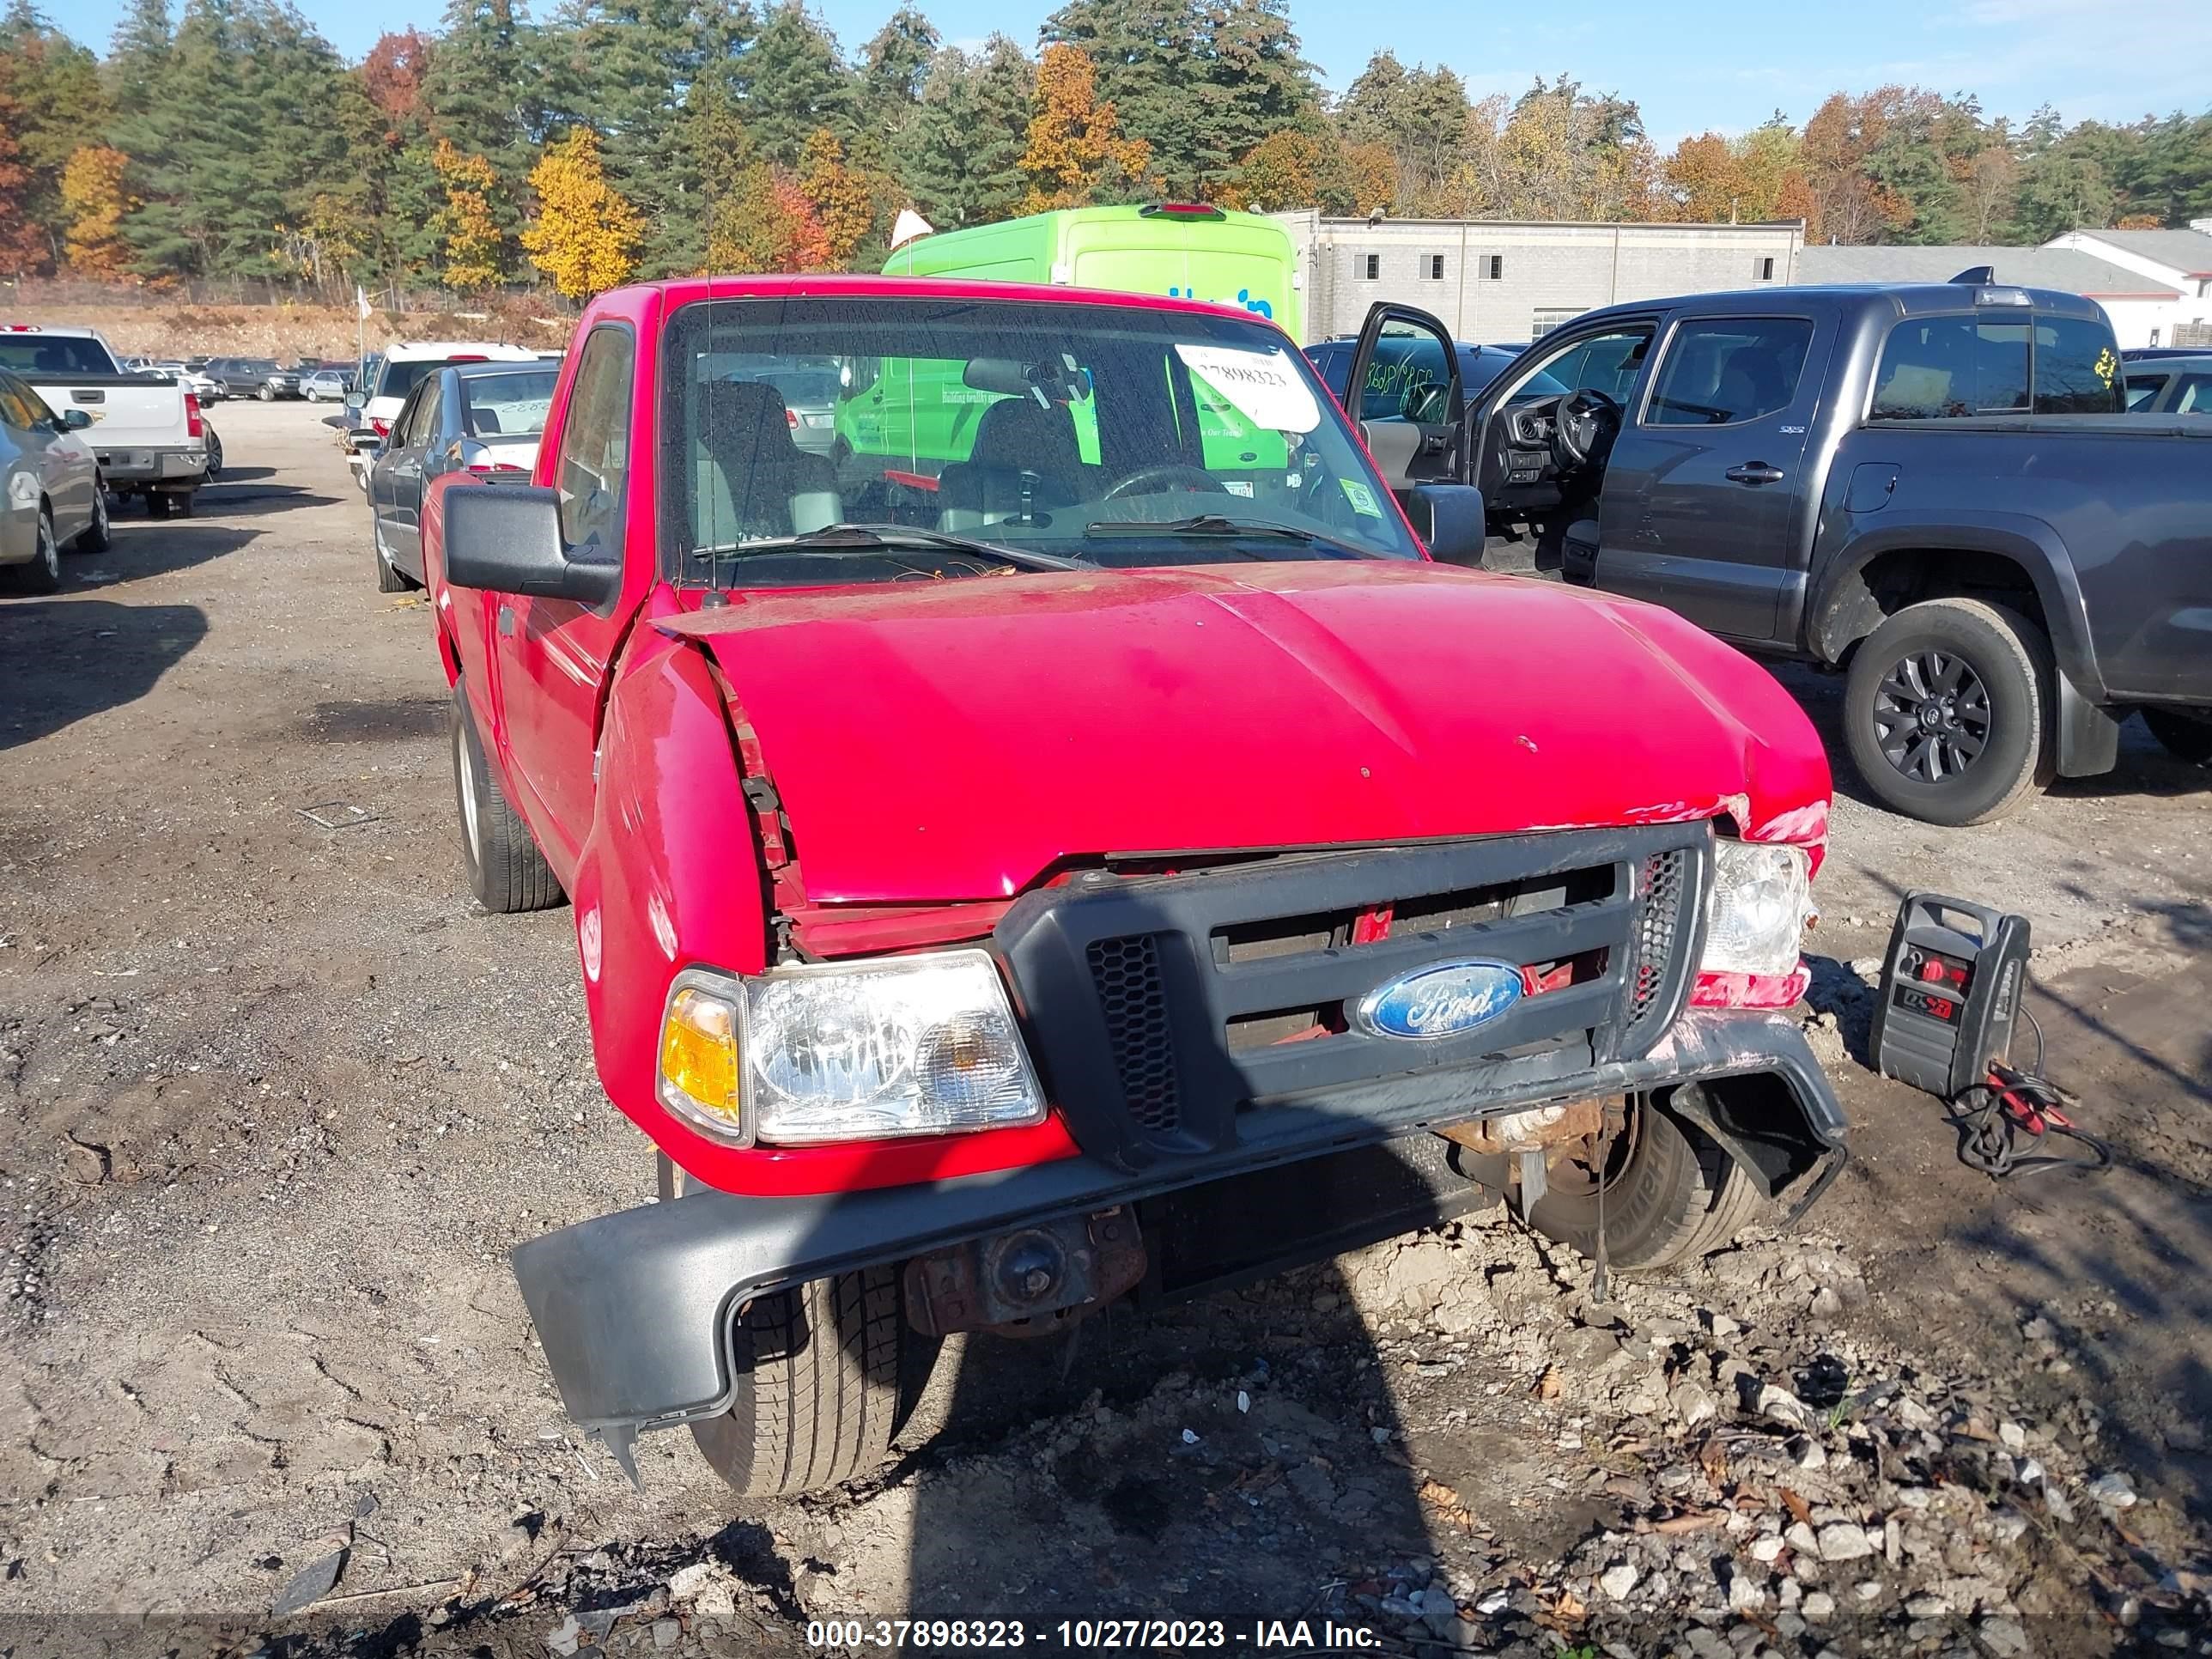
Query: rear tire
[(1673, 1196), (158, 503), (2186, 737), (506, 871), (390, 578), (819, 1392), (2006, 662), (43, 573)]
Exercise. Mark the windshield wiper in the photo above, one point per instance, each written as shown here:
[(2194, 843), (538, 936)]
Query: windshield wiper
[(867, 537), (1222, 526)]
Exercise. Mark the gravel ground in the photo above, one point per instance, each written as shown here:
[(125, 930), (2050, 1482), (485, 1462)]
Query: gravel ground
[(278, 1101)]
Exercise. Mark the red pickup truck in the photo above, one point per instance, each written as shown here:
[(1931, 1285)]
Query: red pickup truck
[(1067, 838)]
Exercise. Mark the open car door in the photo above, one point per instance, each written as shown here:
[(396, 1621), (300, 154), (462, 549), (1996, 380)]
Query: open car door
[(1404, 389)]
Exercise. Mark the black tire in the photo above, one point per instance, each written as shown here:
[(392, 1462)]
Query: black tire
[(182, 501), (43, 573), (2000, 701), (390, 578), (2186, 737), (215, 456), (95, 537), (265, 395), (506, 871), (819, 1390), (1672, 1197), (158, 502)]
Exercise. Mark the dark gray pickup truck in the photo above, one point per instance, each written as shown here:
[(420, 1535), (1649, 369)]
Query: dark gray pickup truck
[(1936, 487)]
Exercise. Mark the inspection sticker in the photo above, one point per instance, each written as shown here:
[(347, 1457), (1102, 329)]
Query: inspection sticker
[(1361, 497), (1264, 387)]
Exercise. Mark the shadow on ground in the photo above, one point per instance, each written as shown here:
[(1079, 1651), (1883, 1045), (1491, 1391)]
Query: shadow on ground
[(63, 659)]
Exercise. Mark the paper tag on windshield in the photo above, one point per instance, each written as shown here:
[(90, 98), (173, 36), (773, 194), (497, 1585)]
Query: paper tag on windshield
[(1361, 497), (1261, 384)]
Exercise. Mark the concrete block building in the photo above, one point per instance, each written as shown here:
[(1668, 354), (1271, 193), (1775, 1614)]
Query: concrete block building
[(1506, 283)]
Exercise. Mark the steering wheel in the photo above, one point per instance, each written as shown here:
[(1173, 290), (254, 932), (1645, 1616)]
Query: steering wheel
[(1163, 477), (1583, 429)]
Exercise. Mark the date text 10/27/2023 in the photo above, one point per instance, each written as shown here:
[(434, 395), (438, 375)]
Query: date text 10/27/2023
[(1086, 1635)]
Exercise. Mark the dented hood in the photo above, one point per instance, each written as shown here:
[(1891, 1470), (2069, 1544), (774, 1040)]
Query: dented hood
[(951, 740)]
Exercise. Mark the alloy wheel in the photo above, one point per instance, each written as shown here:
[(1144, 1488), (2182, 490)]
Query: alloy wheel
[(1931, 715)]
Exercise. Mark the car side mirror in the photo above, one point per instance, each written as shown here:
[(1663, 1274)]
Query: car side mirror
[(356, 400), (368, 444), (75, 420), (1450, 519), (509, 541)]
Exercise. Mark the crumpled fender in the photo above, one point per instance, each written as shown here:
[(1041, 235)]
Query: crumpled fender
[(669, 876)]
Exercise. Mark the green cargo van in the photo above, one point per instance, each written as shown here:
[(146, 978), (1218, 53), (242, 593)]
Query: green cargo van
[(921, 410)]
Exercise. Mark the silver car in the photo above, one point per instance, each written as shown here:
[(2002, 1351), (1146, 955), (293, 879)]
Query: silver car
[(484, 418), (50, 487)]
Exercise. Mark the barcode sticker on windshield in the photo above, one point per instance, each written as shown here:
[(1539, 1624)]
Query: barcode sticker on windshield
[(1265, 389)]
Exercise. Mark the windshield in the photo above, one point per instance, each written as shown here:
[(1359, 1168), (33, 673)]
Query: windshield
[(507, 406), (403, 377), (1111, 435), (54, 353)]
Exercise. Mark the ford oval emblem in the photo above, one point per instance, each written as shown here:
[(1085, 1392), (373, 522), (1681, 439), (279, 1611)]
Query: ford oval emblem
[(1445, 999)]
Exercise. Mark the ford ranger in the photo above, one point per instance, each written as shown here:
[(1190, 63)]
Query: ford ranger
[(145, 429), (1114, 860), (1937, 488)]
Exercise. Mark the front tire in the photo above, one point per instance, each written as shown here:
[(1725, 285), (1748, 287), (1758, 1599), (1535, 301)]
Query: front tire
[(2185, 736), (95, 537), (1946, 710), (390, 578), (819, 1392), (507, 872), (1671, 1195)]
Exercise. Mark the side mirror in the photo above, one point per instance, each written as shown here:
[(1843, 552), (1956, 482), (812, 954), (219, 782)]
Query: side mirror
[(509, 541), (356, 400), (368, 444), (75, 420), (1450, 519)]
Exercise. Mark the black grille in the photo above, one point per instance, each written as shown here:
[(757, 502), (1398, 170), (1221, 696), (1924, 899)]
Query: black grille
[(1664, 878), (1134, 1001)]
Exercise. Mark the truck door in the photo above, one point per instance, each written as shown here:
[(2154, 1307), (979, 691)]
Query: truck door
[(1405, 390), (555, 654), (1706, 508)]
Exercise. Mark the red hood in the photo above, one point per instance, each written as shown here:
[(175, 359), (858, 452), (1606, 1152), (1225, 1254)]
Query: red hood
[(952, 740)]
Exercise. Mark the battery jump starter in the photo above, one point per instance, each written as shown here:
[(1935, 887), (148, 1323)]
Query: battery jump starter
[(1949, 996)]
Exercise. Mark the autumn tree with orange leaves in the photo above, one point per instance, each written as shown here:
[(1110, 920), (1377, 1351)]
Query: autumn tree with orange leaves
[(586, 236), (1077, 155), (473, 246), (94, 198)]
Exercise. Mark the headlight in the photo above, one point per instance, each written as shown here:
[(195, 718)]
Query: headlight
[(847, 1051), (1755, 919)]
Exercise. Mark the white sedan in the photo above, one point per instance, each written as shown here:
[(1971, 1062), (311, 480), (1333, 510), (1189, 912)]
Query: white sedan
[(50, 487)]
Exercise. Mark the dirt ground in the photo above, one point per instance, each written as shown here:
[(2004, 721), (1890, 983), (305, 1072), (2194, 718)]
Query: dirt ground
[(277, 1101)]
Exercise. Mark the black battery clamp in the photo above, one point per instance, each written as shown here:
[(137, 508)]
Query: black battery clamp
[(1950, 994)]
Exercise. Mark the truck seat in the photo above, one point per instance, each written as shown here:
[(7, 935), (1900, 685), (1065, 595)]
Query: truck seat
[(747, 477), (1017, 437)]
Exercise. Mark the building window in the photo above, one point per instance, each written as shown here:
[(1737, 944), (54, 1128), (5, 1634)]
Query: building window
[(1370, 267), (1766, 271), (1494, 266), (1432, 266), (1547, 318)]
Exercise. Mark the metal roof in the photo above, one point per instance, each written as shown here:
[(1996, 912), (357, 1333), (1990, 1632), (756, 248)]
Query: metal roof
[(2066, 269)]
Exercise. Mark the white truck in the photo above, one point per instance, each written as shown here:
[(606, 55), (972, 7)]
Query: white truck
[(146, 429)]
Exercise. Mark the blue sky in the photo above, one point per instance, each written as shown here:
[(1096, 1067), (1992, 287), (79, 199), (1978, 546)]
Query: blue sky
[(1693, 64)]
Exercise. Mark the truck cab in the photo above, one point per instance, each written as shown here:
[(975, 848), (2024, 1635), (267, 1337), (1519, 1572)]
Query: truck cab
[(1795, 469)]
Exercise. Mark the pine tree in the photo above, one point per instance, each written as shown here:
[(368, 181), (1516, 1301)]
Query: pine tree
[(484, 93), (795, 83), (894, 65), (961, 160), (136, 53)]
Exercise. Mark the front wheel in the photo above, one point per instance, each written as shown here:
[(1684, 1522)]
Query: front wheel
[(819, 1385), (1671, 1195), (1945, 709), (506, 871), (266, 395), (43, 573), (95, 537)]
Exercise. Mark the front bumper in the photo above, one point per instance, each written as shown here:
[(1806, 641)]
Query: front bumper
[(634, 1309), (130, 468)]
